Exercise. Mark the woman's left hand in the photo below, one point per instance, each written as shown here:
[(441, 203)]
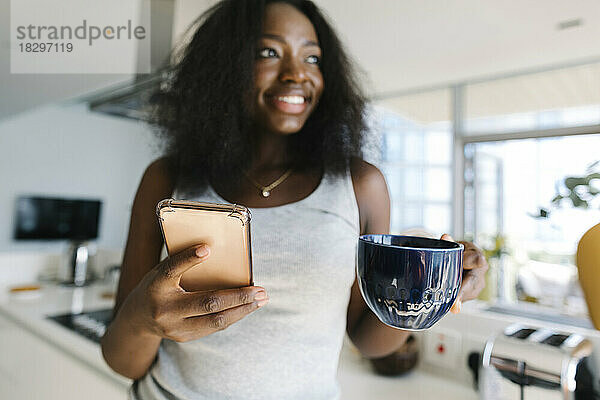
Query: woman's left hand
[(474, 269)]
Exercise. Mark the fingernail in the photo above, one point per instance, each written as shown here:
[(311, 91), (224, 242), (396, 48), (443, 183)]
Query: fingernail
[(455, 309), (260, 295), (202, 251), (262, 302)]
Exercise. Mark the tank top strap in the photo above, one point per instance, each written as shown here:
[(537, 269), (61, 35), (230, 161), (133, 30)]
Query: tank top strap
[(335, 194)]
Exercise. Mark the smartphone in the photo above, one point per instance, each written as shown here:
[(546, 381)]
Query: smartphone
[(225, 228)]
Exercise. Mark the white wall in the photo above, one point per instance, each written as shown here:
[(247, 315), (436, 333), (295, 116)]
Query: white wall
[(65, 150), (185, 12)]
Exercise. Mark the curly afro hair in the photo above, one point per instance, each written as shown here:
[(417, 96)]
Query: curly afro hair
[(201, 110)]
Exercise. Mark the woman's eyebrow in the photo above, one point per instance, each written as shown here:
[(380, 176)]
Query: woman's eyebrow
[(282, 40)]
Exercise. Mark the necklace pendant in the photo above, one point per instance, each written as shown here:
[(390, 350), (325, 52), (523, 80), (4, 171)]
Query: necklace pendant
[(266, 193)]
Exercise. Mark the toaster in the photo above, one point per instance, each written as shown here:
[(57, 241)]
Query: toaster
[(532, 363)]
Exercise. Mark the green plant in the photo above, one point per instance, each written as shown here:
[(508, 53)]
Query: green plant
[(579, 189)]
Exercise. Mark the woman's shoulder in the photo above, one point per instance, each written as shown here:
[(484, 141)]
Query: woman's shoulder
[(158, 179), (371, 194), (160, 173), (366, 176), (160, 169)]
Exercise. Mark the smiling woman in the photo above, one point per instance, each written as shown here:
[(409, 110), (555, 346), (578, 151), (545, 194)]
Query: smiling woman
[(264, 98), (229, 72)]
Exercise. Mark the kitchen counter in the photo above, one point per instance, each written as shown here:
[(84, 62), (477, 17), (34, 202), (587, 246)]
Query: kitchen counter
[(30, 309), (359, 382), (356, 378)]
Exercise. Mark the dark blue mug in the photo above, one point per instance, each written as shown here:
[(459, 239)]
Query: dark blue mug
[(409, 282)]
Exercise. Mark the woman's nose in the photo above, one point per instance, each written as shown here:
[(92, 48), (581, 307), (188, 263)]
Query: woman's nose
[(292, 71)]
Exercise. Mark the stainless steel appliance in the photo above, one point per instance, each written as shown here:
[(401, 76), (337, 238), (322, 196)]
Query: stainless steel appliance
[(78, 272), (534, 363)]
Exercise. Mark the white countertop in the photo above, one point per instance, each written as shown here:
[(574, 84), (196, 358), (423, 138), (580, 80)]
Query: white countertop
[(356, 377), (358, 382), (30, 310)]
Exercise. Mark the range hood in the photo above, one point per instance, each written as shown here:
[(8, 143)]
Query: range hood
[(133, 99)]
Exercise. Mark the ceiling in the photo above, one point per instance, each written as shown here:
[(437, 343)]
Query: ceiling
[(408, 46), (412, 44), (401, 45), (562, 88)]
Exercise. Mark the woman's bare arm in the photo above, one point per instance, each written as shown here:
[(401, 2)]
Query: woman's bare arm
[(371, 337), (125, 348), (151, 305)]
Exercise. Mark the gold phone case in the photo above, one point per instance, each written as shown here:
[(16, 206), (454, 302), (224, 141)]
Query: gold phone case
[(225, 228)]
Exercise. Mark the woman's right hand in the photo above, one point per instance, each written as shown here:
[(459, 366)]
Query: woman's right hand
[(160, 307)]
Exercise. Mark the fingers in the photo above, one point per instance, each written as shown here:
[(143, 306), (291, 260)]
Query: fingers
[(221, 320), (456, 306), (473, 257), (467, 286), (474, 268), (173, 267), (446, 236), (472, 284), (193, 328), (197, 314), (194, 304)]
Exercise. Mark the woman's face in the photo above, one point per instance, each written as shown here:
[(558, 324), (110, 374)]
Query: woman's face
[(287, 79)]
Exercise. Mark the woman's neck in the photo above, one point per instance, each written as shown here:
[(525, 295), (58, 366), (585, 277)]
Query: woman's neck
[(270, 151)]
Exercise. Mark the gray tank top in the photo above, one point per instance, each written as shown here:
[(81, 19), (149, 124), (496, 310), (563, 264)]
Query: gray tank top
[(304, 256)]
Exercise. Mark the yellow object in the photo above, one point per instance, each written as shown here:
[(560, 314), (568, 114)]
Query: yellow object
[(588, 264), (24, 288)]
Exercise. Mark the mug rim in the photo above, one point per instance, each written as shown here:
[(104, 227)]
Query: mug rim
[(459, 246)]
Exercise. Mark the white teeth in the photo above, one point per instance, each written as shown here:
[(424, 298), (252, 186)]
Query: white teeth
[(291, 99)]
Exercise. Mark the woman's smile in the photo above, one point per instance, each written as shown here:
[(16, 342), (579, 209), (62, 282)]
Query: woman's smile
[(289, 104), (287, 78)]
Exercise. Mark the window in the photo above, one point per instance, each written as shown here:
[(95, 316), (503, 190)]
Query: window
[(512, 187), (416, 158), (520, 137)]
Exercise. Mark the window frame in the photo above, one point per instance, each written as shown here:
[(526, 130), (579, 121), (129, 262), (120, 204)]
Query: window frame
[(460, 140)]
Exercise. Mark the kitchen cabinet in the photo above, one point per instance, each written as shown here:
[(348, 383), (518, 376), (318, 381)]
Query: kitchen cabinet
[(32, 368)]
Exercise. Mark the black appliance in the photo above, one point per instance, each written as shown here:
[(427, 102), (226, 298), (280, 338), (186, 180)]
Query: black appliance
[(91, 324), (48, 218)]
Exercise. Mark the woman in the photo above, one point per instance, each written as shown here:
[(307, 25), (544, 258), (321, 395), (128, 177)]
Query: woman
[(263, 111)]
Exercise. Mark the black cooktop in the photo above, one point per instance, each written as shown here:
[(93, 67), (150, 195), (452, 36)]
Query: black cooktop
[(91, 324)]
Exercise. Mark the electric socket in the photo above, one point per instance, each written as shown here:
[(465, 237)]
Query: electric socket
[(443, 349)]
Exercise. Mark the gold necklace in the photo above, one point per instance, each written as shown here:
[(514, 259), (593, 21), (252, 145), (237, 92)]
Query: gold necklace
[(265, 191)]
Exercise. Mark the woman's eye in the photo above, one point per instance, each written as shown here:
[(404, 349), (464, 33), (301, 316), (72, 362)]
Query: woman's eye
[(313, 59), (267, 53)]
